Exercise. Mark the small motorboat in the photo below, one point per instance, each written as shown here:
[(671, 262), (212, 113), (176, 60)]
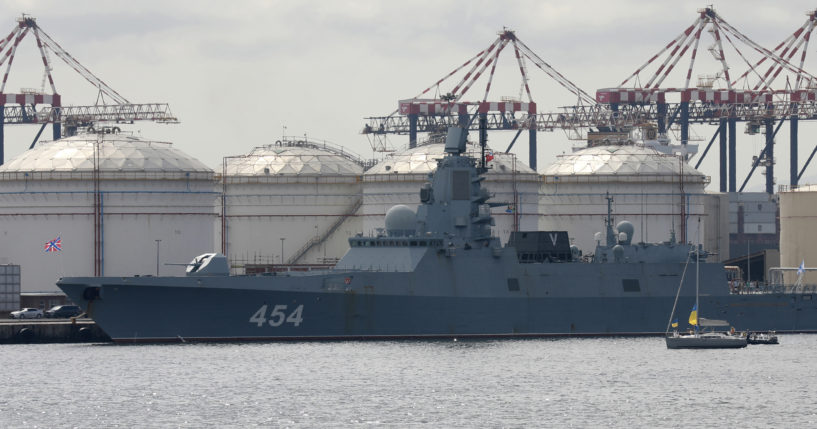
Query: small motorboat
[(762, 338)]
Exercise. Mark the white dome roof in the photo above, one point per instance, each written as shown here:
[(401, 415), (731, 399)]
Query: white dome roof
[(117, 153), (423, 160), (292, 158), (619, 160)]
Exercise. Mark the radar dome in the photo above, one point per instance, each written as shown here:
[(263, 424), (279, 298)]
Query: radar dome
[(618, 252), (400, 221), (627, 228)]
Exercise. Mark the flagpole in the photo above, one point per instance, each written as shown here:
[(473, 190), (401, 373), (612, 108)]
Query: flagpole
[(697, 276), (59, 256)]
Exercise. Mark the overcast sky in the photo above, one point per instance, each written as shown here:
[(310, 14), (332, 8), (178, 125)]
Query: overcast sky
[(237, 73)]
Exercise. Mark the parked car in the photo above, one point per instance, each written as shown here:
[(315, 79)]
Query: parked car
[(27, 313), (63, 311)]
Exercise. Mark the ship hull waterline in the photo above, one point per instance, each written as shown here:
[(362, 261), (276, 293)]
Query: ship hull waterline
[(154, 313)]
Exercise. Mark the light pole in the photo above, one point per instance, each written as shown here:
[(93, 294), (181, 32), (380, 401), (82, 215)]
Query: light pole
[(282, 250), (748, 243), (157, 256)]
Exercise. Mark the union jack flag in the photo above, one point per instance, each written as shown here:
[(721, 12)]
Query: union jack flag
[(54, 245)]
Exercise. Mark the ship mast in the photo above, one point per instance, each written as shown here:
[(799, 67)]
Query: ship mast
[(611, 237)]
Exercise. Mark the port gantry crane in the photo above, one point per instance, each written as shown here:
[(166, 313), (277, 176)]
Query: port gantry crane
[(749, 98), (32, 106), (622, 108), (436, 114)]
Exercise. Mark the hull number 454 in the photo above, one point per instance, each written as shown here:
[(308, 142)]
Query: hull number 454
[(278, 316)]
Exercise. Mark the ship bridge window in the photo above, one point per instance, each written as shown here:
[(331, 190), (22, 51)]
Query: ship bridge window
[(630, 285), (513, 285)]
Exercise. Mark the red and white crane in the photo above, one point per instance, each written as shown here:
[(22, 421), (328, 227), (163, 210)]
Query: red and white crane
[(32, 106), (434, 108), (757, 96)]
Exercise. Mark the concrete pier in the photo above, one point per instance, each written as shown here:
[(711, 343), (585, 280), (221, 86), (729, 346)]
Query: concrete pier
[(30, 331)]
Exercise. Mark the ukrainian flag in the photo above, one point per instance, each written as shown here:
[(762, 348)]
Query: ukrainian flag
[(675, 323), (693, 316)]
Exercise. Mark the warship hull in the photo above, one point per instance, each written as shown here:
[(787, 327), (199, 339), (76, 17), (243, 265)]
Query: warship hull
[(552, 299)]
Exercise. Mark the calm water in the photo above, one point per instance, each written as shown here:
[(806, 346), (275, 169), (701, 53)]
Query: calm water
[(618, 382)]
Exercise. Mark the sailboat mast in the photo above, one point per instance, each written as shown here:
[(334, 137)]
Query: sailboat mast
[(697, 266)]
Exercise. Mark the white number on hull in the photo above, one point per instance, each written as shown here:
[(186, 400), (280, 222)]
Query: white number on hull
[(258, 317), (296, 318), (278, 316)]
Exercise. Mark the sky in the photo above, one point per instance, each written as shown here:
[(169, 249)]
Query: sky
[(240, 74)]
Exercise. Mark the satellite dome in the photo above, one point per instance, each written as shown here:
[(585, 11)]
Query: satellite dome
[(627, 228), (618, 252), (400, 221)]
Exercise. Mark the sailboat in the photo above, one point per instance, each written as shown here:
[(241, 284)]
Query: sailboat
[(705, 335)]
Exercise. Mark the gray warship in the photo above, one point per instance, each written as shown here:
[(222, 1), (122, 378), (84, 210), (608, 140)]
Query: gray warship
[(439, 273)]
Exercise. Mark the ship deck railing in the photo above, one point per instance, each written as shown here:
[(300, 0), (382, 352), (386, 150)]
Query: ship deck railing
[(776, 288)]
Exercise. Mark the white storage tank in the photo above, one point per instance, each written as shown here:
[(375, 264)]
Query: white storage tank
[(108, 198), (798, 236), (656, 192), (398, 178), (291, 202)]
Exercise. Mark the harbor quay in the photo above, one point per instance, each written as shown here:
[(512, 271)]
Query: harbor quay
[(76, 330)]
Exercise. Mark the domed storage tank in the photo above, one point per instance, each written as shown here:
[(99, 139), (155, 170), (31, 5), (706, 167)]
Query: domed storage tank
[(398, 178), (108, 197), (647, 187), (304, 192)]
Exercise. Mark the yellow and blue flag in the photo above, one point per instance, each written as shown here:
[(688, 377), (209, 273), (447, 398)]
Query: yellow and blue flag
[(675, 323), (693, 316)]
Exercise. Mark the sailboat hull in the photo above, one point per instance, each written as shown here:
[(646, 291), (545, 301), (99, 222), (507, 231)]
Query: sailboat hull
[(706, 341)]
